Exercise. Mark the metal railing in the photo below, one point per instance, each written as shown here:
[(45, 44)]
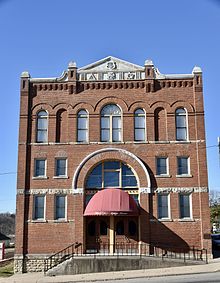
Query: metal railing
[(126, 249)]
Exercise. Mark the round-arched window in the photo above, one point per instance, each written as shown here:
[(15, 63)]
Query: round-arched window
[(112, 174)]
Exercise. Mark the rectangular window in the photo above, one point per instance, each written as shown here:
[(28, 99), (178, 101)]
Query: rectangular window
[(163, 206), (40, 168), (182, 165), (161, 166), (61, 167), (39, 207), (60, 207), (185, 210)]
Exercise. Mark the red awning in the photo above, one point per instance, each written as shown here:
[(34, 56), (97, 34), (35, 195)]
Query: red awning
[(111, 202)]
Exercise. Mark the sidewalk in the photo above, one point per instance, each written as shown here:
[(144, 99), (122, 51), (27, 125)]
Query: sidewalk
[(213, 266)]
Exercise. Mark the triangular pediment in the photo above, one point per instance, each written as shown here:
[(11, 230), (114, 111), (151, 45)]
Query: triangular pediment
[(111, 63), (111, 68)]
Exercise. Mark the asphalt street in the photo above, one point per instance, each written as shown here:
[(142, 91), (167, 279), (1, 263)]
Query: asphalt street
[(193, 278)]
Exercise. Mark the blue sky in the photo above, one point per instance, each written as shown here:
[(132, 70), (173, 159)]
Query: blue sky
[(42, 36)]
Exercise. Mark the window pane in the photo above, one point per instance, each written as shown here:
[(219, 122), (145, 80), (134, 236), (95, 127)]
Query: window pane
[(181, 134), (112, 165), (94, 182), (182, 165), (111, 109), (60, 207), (82, 136), (162, 206), (105, 135), (39, 207), (39, 168), (116, 122), (87, 199), (180, 121), (60, 167), (97, 170), (139, 134), (105, 122), (116, 135), (111, 179), (42, 136), (139, 111), (129, 181), (135, 197), (82, 123), (42, 123), (126, 170), (184, 206), (161, 166), (139, 122)]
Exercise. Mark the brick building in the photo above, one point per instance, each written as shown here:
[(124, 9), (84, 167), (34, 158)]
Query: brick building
[(110, 153)]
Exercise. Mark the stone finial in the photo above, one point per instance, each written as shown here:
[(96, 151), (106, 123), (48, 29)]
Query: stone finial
[(148, 62), (72, 64), (197, 70), (25, 75)]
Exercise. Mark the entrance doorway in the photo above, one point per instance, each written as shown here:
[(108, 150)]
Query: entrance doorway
[(112, 234)]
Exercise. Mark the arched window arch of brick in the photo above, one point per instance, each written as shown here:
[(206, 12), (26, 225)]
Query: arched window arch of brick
[(100, 155), (42, 127), (181, 124), (111, 123), (160, 124), (82, 126), (61, 126), (139, 125)]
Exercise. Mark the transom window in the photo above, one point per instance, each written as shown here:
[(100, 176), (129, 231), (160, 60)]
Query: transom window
[(111, 123), (111, 174), (42, 126), (139, 125), (181, 125)]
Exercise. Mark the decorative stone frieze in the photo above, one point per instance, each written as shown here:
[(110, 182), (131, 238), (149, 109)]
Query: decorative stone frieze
[(181, 190)]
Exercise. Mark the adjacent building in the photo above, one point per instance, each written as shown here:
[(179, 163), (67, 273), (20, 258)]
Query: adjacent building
[(110, 154)]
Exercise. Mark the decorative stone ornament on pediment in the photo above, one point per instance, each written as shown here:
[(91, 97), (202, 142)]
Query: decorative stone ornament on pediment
[(111, 68)]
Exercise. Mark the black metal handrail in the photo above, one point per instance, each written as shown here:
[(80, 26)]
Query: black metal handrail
[(126, 249)]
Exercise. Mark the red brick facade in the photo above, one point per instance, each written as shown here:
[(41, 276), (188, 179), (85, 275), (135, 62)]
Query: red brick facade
[(89, 89)]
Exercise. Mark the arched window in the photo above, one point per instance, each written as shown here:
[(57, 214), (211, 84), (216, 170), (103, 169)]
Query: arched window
[(139, 125), (181, 124), (82, 126), (111, 123), (42, 126), (111, 174), (61, 125)]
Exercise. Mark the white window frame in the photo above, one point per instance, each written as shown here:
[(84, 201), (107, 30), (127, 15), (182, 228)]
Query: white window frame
[(45, 169), (87, 129), (167, 166), (34, 207), (55, 168), (188, 165), (37, 129), (190, 207), (144, 116), (110, 116), (55, 206), (168, 206), (187, 125)]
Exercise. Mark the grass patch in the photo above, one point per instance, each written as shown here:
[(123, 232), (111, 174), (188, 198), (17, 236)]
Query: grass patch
[(7, 270)]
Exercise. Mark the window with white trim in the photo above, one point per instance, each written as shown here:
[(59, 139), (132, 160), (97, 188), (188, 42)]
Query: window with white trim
[(39, 207), (139, 125), (185, 205), (111, 128), (60, 206), (161, 166), (60, 167), (40, 168), (163, 206), (181, 124), (82, 126), (42, 126), (182, 165)]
